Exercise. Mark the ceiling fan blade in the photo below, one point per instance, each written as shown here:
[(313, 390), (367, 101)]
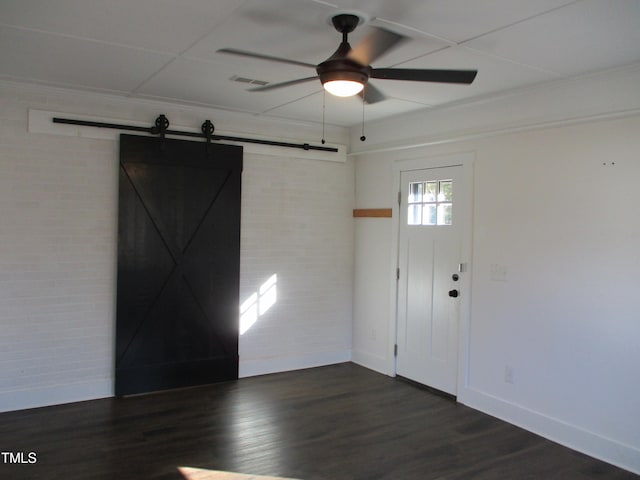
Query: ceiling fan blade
[(274, 86), (371, 94), (244, 53), (377, 42), (422, 75)]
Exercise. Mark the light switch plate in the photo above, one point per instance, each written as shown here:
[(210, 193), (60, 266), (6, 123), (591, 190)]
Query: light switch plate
[(498, 273)]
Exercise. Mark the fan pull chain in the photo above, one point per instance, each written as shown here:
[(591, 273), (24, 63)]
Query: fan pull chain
[(363, 138), (324, 96)]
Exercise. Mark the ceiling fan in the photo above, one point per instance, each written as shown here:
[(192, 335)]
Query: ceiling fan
[(347, 71)]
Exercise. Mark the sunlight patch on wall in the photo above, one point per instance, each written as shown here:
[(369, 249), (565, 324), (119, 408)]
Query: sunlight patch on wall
[(258, 303), (190, 473)]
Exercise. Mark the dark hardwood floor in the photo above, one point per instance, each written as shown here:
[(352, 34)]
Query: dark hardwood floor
[(336, 422)]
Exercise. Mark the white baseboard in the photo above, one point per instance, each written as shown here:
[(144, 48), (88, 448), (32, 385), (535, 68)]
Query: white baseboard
[(372, 362), (55, 395), (262, 366), (576, 438), (68, 393)]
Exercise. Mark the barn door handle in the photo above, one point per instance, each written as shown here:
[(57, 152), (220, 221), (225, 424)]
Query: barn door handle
[(453, 293)]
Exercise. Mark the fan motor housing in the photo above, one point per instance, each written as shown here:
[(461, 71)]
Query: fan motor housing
[(343, 69), (339, 66)]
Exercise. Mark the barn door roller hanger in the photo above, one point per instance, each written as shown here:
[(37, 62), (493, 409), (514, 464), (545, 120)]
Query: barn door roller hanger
[(161, 127)]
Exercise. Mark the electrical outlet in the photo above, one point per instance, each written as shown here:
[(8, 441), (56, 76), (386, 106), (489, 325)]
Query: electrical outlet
[(508, 374)]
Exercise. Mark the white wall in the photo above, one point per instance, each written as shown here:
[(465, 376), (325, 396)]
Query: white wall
[(297, 224), (374, 267), (551, 207), (58, 220), (57, 262)]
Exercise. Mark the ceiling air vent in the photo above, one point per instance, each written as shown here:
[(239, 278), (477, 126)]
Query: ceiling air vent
[(250, 81)]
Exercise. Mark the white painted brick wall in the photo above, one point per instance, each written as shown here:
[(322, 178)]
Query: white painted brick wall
[(58, 220), (297, 223), (57, 247)]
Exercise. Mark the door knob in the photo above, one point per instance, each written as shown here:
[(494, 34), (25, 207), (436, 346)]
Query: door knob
[(453, 293)]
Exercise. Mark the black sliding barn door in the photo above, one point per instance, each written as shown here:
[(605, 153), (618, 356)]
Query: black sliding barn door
[(178, 264)]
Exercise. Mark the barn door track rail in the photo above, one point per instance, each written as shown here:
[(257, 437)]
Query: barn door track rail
[(161, 128)]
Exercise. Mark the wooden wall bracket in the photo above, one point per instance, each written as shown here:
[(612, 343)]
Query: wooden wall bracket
[(372, 213)]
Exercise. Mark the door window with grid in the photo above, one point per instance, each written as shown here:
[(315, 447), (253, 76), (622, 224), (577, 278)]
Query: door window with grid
[(430, 203)]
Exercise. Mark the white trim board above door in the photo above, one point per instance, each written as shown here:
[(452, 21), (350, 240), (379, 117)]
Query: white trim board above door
[(456, 307)]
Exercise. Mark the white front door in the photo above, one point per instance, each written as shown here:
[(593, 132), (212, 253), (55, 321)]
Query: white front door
[(429, 281)]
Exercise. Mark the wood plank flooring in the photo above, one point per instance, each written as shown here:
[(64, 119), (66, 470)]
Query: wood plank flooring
[(336, 422)]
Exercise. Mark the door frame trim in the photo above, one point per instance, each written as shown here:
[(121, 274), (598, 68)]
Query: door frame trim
[(466, 159)]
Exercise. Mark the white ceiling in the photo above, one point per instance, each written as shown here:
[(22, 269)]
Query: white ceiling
[(164, 49)]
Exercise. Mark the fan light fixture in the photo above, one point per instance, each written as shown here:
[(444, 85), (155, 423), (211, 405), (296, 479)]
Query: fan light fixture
[(343, 88), (342, 78)]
